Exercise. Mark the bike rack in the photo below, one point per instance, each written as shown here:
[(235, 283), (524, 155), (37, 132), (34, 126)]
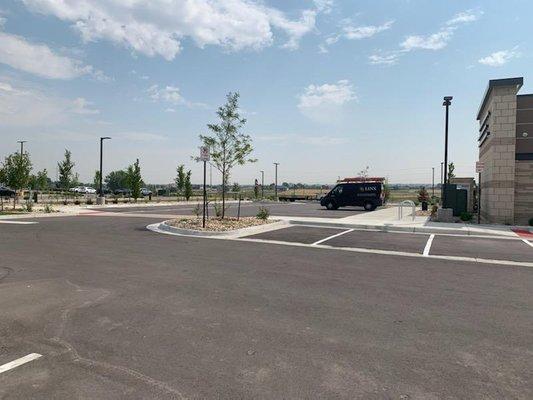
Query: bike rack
[(408, 203)]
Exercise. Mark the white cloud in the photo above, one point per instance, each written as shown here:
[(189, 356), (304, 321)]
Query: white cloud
[(324, 6), (157, 27), (39, 59), (83, 107), (465, 17), (351, 32), (170, 94), (384, 59), (21, 105), (499, 58), (435, 41), (440, 39), (363, 32), (323, 102)]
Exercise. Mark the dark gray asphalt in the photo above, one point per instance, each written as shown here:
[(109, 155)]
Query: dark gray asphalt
[(297, 234), (119, 312), (299, 209), (496, 249)]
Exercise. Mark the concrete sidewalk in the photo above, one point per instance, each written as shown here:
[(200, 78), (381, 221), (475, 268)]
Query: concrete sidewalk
[(386, 219)]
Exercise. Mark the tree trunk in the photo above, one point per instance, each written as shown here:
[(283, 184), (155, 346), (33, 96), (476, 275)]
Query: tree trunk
[(223, 191)]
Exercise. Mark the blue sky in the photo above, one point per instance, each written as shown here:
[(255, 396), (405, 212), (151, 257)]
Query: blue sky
[(328, 86)]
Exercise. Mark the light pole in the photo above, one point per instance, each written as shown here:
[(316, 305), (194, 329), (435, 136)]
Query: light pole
[(21, 145), (447, 102), (276, 182), (262, 185), (101, 197)]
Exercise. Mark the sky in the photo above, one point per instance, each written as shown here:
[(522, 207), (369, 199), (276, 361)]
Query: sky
[(328, 87)]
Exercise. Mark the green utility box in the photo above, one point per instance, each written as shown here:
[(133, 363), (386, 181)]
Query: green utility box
[(457, 199)]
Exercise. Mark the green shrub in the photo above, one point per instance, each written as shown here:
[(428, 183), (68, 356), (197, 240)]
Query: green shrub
[(434, 209), (263, 213), (48, 209), (465, 216), (29, 206), (89, 201)]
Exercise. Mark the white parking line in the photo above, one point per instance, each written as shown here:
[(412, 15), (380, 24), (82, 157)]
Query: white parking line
[(19, 361), (18, 222), (428, 245), (331, 237), (527, 242)]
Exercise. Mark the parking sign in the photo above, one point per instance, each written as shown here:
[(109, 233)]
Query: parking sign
[(204, 153), (480, 166)]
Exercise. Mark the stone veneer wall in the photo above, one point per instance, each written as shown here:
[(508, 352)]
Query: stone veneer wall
[(523, 192), (498, 154)]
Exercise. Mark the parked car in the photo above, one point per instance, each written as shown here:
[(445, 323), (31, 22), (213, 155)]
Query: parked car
[(368, 194), (146, 192), (90, 190), (6, 192), (122, 192)]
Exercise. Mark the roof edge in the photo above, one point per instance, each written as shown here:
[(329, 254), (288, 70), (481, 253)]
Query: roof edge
[(518, 81)]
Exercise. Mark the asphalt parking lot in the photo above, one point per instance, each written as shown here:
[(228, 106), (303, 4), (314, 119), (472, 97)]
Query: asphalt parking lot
[(117, 311), (438, 244), (297, 209)]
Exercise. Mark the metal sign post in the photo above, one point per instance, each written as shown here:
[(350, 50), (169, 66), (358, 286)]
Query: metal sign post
[(204, 156), (479, 169)]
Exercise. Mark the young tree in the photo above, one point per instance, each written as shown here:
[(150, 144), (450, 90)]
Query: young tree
[(187, 186), (423, 195), (116, 180), (66, 175), (180, 179), (236, 187), (227, 145), (96, 180), (135, 181), (451, 170), (16, 171)]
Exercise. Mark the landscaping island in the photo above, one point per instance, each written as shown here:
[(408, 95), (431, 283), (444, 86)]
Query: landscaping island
[(217, 224)]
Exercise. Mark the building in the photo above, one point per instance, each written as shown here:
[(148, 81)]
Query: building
[(506, 148)]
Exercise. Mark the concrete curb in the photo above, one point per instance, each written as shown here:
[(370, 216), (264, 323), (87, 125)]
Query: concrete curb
[(252, 230)]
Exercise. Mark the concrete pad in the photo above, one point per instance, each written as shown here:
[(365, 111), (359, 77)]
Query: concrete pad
[(298, 234), (411, 243), (496, 249)]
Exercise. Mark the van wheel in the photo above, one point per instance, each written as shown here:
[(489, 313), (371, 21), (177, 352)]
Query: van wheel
[(331, 206), (369, 206)]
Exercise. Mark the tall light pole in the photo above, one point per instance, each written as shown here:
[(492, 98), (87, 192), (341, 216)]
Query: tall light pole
[(441, 166), (276, 182), (21, 146), (262, 185), (447, 102), (101, 196)]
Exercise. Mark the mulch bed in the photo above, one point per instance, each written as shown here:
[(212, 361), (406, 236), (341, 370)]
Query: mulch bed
[(217, 224)]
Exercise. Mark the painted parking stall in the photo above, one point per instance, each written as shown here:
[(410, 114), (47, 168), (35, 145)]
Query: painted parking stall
[(488, 249)]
